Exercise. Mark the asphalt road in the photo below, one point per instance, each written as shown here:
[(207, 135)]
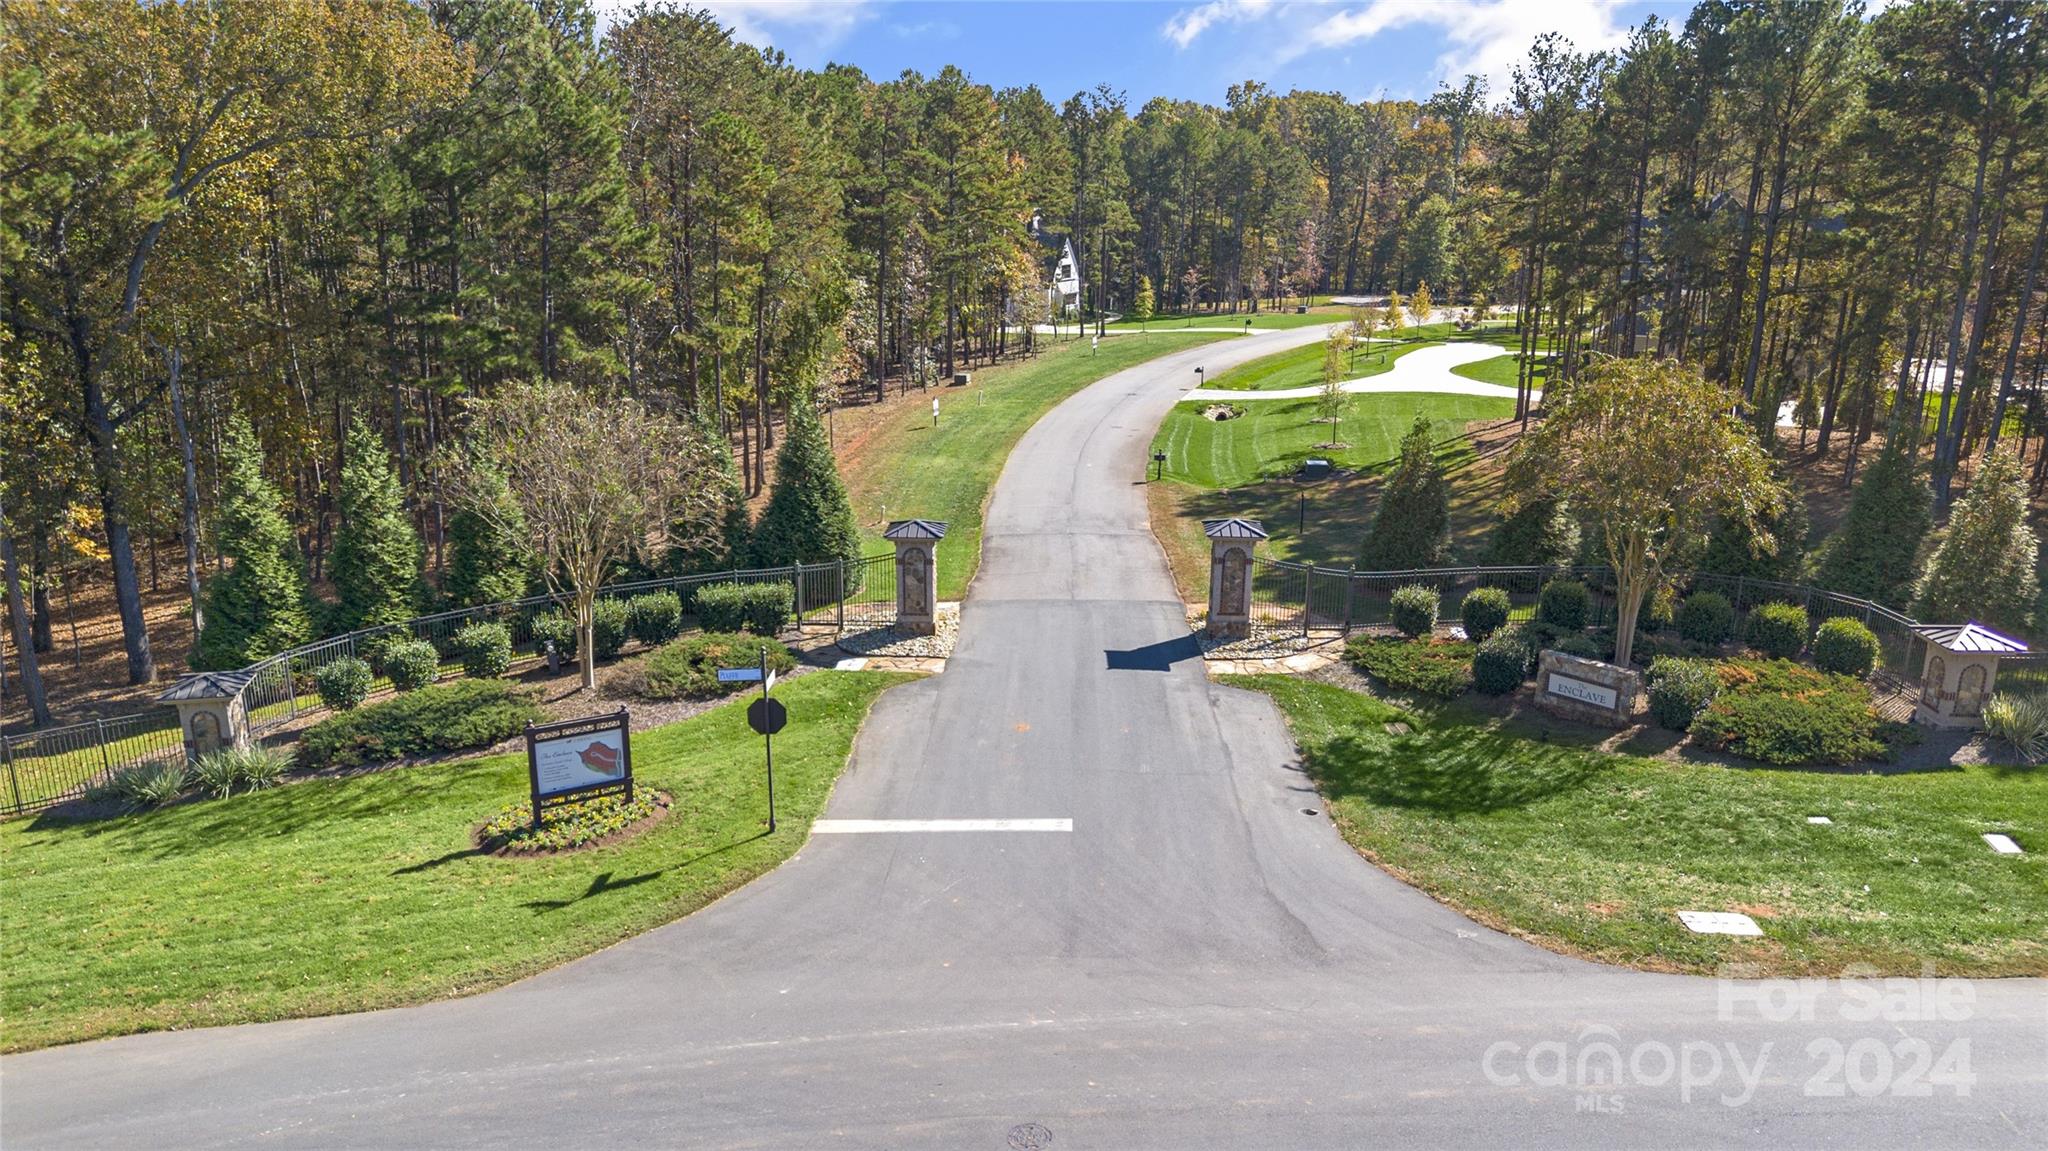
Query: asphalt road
[(1198, 963)]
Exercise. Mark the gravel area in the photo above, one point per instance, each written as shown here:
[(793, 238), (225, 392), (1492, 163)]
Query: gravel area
[(1262, 643), (888, 642)]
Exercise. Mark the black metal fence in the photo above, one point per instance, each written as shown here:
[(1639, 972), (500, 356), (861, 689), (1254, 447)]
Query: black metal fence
[(48, 766), (53, 764)]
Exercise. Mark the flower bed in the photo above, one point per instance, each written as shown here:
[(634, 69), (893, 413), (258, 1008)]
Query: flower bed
[(569, 826)]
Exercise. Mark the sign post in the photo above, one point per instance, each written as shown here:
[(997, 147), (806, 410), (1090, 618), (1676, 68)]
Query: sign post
[(765, 715), (575, 758)]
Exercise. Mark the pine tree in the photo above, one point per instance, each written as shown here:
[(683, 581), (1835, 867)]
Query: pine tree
[(257, 607), (1731, 549), (1412, 528), (376, 560), (490, 559), (1875, 553), (727, 547), (1539, 533), (808, 518), (1983, 566)]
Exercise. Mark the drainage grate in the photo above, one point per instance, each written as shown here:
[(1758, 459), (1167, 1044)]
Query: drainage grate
[(1029, 1137)]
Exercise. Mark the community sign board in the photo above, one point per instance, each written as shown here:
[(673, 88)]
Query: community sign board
[(578, 758)]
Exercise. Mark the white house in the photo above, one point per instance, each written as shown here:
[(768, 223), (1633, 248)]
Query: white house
[(1065, 280)]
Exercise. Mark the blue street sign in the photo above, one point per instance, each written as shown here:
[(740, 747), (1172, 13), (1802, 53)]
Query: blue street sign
[(738, 674)]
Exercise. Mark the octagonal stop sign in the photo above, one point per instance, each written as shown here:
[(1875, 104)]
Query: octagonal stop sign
[(767, 715)]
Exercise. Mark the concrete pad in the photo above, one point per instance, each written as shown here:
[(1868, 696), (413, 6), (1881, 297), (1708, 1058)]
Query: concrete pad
[(2002, 844), (1719, 923)]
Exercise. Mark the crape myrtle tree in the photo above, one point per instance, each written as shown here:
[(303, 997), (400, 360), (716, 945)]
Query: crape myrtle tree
[(597, 479), (1647, 452)]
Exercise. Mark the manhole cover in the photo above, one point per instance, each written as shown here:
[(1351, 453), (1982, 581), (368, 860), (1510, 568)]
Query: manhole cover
[(1030, 1137), (1308, 811)]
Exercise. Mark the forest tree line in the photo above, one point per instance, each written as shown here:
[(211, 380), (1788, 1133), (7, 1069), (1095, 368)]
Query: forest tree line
[(313, 215)]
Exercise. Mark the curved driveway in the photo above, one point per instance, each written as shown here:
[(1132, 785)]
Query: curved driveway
[(1197, 963)]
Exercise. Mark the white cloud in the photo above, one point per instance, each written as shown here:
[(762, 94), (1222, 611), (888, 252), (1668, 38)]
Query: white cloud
[(1185, 25), (795, 26), (1482, 37)]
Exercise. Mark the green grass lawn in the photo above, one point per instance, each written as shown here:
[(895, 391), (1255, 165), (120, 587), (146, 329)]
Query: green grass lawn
[(945, 473), (1303, 367), (350, 894), (1594, 853), (1501, 370), (1272, 437)]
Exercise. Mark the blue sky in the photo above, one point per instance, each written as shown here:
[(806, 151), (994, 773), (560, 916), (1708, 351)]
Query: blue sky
[(1401, 48)]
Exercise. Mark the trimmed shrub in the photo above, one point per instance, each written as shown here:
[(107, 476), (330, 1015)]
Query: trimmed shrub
[(1564, 604), (485, 650), (689, 666), (1413, 609), (556, 628), (412, 665), (1500, 664), (1844, 646), (655, 618), (2019, 720), (343, 684), (443, 717), (1679, 689), (610, 624), (1484, 612), (1777, 629), (1441, 669), (1705, 617), (1778, 712), (761, 608)]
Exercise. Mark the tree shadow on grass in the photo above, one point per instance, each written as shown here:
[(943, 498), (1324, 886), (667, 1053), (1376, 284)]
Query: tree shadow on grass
[(603, 882), (1471, 772)]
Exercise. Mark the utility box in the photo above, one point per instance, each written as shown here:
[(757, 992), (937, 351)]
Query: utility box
[(1315, 469), (961, 379)]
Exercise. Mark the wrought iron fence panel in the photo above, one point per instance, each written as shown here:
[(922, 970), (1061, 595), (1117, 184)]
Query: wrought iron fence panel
[(1279, 594), (870, 592), (47, 767)]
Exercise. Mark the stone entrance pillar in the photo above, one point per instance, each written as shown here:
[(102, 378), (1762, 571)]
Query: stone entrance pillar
[(1231, 543), (917, 573), (210, 712), (1960, 668)]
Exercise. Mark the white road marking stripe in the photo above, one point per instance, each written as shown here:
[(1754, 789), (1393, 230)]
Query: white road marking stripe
[(873, 826)]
